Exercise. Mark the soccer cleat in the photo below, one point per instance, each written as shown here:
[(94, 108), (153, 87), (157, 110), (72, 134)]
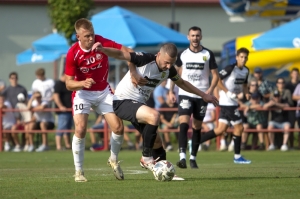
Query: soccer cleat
[(116, 169), (241, 160), (149, 165), (181, 164), (177, 178), (193, 164), (79, 176)]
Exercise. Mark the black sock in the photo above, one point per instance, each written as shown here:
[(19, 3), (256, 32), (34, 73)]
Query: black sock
[(237, 144), (149, 136), (161, 153), (195, 141), (208, 136), (184, 127)]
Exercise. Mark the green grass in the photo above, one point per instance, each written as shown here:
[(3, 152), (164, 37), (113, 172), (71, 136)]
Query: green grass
[(50, 175)]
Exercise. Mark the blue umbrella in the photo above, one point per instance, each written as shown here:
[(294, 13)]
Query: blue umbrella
[(132, 30), (29, 57), (284, 36)]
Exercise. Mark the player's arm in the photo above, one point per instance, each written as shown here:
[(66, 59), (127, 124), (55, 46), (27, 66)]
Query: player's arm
[(112, 52), (214, 81), (74, 85)]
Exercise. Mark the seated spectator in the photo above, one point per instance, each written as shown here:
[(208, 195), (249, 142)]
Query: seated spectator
[(255, 119), (8, 121), (208, 123), (279, 120), (169, 120), (43, 119)]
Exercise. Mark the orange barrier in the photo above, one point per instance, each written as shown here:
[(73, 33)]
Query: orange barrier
[(106, 129)]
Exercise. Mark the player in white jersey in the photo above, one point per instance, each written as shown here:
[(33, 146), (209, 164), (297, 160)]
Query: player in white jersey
[(233, 81), (129, 99), (195, 64)]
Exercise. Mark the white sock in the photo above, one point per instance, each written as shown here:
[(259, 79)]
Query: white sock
[(237, 156), (116, 142), (232, 143), (78, 146), (192, 157), (182, 156), (148, 159), (223, 142)]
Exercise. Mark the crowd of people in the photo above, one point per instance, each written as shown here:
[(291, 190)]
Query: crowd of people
[(153, 84)]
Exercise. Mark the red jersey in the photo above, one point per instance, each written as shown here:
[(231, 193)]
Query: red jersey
[(85, 64)]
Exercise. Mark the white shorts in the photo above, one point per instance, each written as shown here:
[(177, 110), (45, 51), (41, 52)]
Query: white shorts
[(99, 101)]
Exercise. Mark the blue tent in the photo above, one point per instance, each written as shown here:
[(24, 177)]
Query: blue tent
[(284, 36), (117, 24)]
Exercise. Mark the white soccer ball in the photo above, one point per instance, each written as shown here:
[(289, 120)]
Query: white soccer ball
[(164, 171)]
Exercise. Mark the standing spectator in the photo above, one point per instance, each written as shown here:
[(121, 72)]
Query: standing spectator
[(63, 100), (169, 120), (279, 119), (44, 120), (2, 85), (233, 81), (264, 86), (160, 94), (291, 86), (255, 119), (8, 120), (195, 65), (11, 94), (44, 85)]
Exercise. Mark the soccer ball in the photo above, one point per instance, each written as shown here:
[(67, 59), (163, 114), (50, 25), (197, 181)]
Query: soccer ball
[(164, 171)]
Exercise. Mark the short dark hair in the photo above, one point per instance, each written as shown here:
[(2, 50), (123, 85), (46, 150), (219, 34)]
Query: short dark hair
[(195, 28), (280, 78), (242, 50), (170, 49), (40, 72), (13, 74), (295, 69)]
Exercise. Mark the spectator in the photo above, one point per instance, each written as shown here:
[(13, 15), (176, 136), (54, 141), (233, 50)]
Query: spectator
[(279, 119), (8, 120), (23, 120), (255, 119), (63, 100), (159, 94), (296, 97), (208, 123), (264, 86), (291, 86), (43, 119), (2, 85), (43, 85), (169, 120)]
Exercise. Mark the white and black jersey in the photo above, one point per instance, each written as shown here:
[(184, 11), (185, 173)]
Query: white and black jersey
[(234, 79), (146, 67), (196, 68)]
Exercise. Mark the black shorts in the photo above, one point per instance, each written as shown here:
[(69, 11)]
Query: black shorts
[(49, 126), (230, 114), (126, 110), (191, 105)]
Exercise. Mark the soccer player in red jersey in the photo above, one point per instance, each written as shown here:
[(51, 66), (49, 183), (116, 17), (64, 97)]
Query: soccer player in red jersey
[(86, 75)]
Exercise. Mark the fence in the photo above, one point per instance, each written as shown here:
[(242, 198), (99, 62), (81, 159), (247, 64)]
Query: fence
[(105, 130)]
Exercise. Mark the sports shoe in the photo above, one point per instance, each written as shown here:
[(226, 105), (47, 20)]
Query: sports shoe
[(17, 148), (42, 148), (25, 148), (223, 148), (193, 164), (204, 147), (116, 169), (97, 147), (231, 147), (241, 160), (148, 166), (177, 178), (181, 164), (30, 148), (79, 176), (6, 146), (169, 148), (284, 147), (271, 147)]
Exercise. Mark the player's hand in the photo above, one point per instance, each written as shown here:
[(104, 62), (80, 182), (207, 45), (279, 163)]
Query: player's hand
[(137, 79), (231, 95), (88, 83), (209, 92), (211, 99), (97, 47), (63, 108), (172, 97)]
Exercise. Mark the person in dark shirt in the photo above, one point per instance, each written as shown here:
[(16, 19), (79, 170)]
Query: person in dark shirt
[(279, 119)]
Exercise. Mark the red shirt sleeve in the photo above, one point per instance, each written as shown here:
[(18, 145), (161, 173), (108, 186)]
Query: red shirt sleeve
[(107, 43), (70, 64)]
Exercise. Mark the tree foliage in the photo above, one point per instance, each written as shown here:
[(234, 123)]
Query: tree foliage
[(64, 14)]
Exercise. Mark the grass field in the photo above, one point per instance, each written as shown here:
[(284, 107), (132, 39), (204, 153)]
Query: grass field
[(50, 175)]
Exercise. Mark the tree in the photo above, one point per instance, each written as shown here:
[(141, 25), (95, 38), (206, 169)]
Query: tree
[(64, 14)]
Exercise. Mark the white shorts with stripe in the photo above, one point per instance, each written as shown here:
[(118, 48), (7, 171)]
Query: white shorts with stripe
[(99, 101)]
